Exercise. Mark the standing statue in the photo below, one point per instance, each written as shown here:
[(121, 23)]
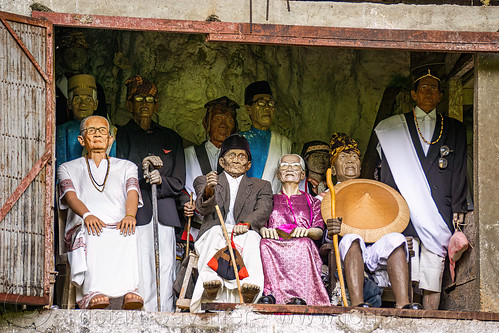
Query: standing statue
[(102, 195), (316, 156), (423, 156), (140, 138), (368, 207), (73, 49), (219, 122), (245, 204), (291, 262), (82, 101), (267, 146)]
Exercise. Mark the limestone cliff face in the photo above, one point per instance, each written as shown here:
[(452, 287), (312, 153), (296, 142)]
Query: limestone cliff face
[(319, 90)]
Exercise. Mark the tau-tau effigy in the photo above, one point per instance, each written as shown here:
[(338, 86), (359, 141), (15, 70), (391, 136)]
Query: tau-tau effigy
[(316, 156), (102, 194), (372, 213), (245, 204), (423, 156), (267, 146), (82, 101), (291, 262), (140, 138)]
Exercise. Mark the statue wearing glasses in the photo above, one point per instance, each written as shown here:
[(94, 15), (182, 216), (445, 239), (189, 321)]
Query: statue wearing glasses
[(141, 137), (291, 262), (102, 194), (424, 156), (267, 146), (82, 101)]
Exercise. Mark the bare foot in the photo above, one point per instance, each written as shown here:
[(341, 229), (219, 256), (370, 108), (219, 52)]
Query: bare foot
[(132, 301), (99, 301), (249, 292), (211, 289)]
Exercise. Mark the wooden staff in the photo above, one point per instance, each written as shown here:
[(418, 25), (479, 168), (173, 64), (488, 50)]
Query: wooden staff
[(188, 250), (330, 185), (232, 257)]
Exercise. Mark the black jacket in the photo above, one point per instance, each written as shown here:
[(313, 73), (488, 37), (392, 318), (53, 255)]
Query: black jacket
[(134, 144), (448, 186)]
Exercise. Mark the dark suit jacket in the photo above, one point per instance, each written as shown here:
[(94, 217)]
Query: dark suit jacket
[(448, 186), (134, 144), (253, 202)]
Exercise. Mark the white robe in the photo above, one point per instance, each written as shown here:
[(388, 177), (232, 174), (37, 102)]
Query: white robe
[(106, 263)]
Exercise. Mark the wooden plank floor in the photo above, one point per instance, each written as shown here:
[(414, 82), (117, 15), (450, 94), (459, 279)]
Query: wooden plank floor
[(335, 310)]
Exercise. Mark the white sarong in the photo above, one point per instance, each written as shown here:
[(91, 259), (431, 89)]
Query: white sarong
[(248, 244)]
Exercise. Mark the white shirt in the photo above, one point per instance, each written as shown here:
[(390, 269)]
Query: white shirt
[(426, 123), (213, 153), (233, 187)]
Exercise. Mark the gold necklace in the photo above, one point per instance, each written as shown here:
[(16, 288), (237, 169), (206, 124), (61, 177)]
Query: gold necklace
[(419, 131), (92, 179)]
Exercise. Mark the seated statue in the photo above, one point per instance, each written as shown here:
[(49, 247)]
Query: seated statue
[(387, 257), (245, 204), (291, 262), (102, 194), (82, 101)]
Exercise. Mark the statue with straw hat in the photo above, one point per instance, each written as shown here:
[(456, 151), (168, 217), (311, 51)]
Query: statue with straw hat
[(371, 215)]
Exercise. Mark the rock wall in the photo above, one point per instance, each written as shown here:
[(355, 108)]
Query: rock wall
[(319, 90)]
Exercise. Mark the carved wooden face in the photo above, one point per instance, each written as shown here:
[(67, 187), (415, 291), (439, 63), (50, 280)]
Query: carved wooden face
[(235, 162), (83, 103), (290, 169), (222, 124), (428, 94), (346, 166), (261, 111), (96, 136), (143, 107), (318, 162), (75, 59)]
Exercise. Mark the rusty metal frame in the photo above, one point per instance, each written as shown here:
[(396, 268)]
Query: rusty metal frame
[(45, 160), (414, 40)]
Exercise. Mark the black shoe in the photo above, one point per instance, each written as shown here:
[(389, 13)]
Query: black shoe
[(413, 306), (268, 299), (364, 305), (296, 301)]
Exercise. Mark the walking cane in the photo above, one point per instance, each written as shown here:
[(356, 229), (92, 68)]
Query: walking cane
[(155, 222), (188, 250), (232, 257), (329, 181)]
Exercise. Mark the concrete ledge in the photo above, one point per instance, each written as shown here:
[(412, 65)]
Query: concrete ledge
[(240, 320)]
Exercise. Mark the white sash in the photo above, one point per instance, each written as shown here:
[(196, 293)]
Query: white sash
[(279, 145), (395, 139)]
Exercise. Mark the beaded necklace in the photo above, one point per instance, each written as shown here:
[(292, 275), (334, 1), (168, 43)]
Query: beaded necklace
[(419, 131), (94, 182)]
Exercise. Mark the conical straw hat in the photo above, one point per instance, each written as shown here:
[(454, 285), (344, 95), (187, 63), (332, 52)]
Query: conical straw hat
[(369, 209)]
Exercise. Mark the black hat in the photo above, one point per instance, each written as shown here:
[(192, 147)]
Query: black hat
[(255, 88), (235, 141), (223, 102)]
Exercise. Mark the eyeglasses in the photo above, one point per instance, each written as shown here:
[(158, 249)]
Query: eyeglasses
[(232, 156), (442, 161), (93, 130), (295, 166), (149, 99), (262, 102)]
